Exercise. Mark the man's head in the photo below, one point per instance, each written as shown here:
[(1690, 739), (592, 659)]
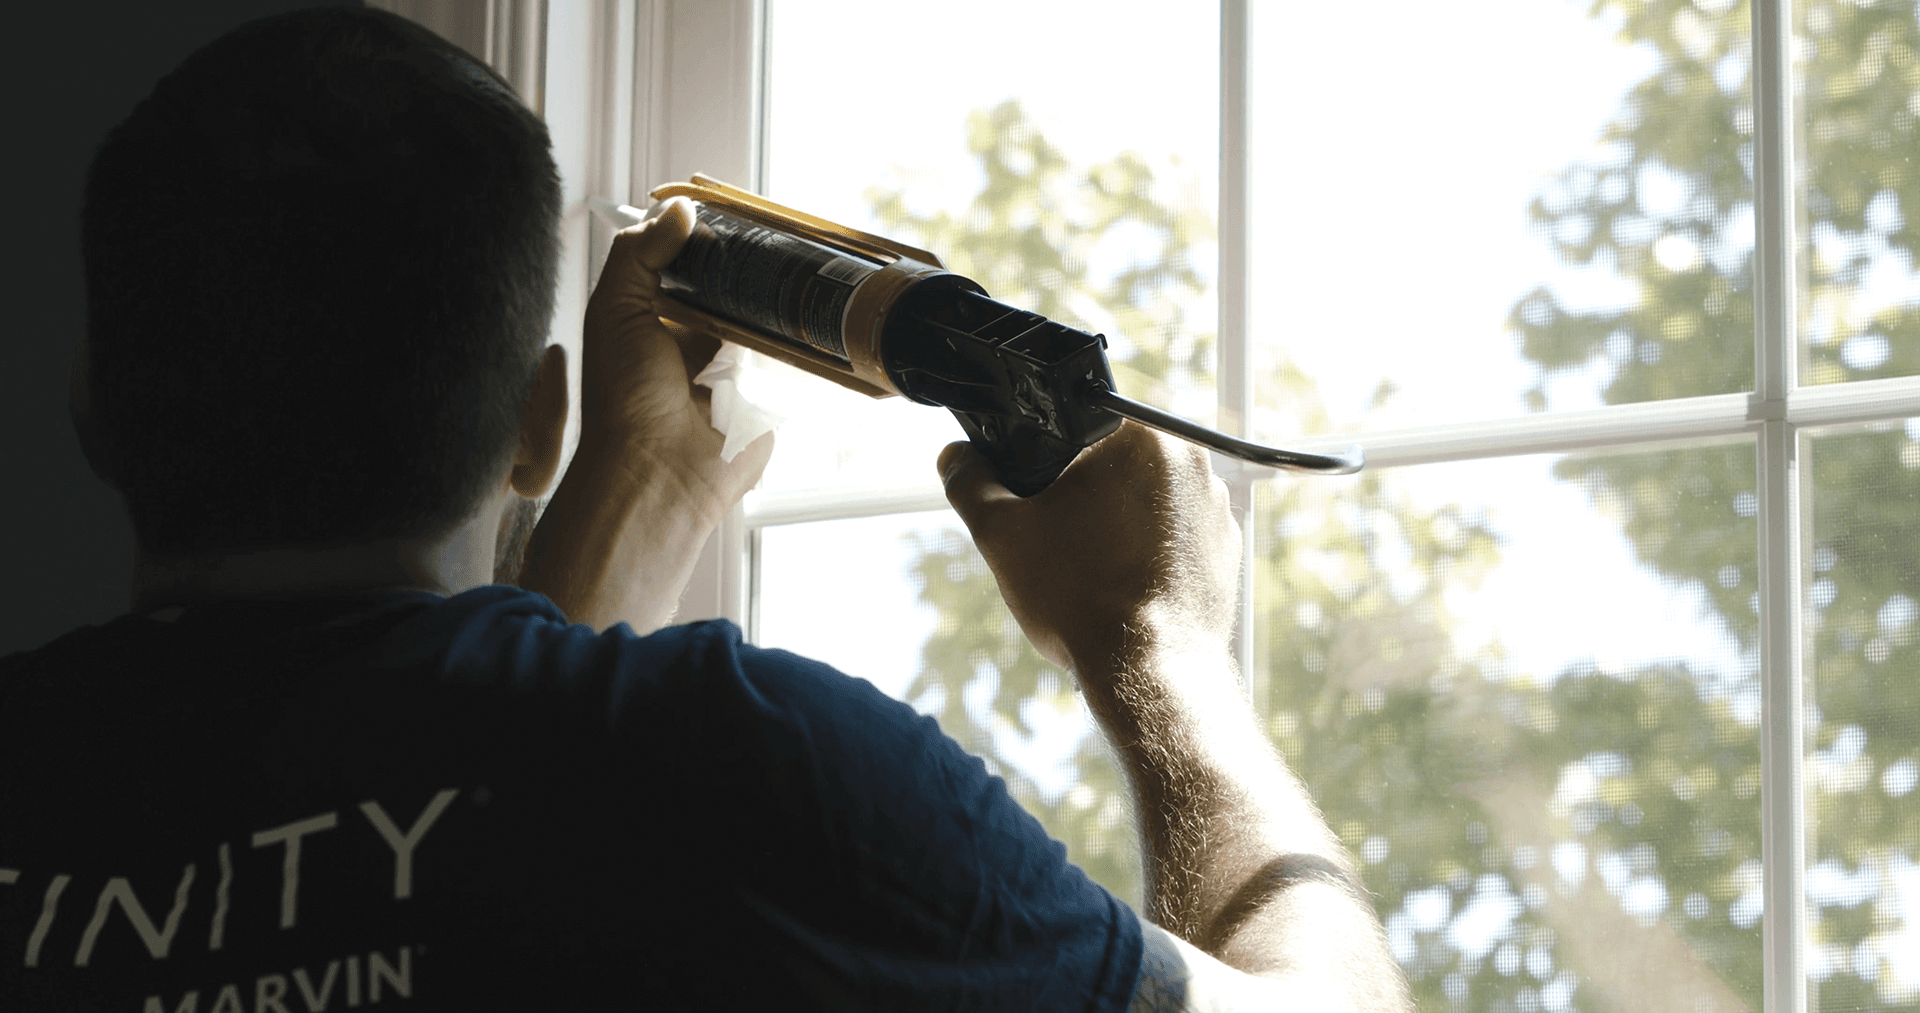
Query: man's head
[(320, 264)]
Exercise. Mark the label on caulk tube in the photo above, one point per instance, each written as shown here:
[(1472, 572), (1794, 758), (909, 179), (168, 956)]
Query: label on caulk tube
[(769, 279)]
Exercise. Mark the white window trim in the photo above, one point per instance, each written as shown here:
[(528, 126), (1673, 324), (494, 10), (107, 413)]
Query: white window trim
[(639, 92), (634, 93), (1781, 518)]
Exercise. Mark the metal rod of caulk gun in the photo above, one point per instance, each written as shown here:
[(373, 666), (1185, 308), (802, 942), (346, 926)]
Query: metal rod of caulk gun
[(1273, 457)]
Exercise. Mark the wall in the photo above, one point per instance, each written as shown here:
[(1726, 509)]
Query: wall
[(73, 71)]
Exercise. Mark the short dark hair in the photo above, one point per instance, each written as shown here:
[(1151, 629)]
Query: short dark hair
[(320, 264)]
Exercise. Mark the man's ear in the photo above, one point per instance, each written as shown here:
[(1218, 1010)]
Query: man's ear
[(80, 413), (543, 428)]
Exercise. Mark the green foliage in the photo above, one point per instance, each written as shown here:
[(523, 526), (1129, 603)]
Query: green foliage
[(1029, 237), (1609, 820), (1454, 779), (1861, 79), (1865, 502), (1690, 333), (1031, 233), (1662, 208)]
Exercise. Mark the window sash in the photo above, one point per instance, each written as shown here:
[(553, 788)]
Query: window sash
[(1783, 842), (669, 87), (1776, 415)]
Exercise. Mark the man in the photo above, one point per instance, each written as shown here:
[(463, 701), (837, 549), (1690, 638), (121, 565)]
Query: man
[(327, 761)]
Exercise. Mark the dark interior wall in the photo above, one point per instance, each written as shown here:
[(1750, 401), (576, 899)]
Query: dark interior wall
[(73, 69)]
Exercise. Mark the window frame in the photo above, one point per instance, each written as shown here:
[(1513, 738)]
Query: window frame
[(653, 90)]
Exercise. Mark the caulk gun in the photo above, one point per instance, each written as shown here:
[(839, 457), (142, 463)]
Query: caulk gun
[(883, 318)]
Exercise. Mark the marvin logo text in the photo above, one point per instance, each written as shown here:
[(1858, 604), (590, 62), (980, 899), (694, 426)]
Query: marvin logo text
[(159, 924), (316, 990)]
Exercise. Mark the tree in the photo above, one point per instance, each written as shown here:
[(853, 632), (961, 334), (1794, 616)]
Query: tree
[(1690, 332), (1027, 237), (1524, 836)]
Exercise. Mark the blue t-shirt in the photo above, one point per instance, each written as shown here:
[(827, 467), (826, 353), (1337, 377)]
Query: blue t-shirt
[(469, 804)]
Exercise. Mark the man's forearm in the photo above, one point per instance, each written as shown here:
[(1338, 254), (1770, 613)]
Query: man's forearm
[(1238, 860), (1127, 571), (615, 546)]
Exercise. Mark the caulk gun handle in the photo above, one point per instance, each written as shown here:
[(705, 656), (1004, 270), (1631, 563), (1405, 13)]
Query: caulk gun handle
[(1025, 458)]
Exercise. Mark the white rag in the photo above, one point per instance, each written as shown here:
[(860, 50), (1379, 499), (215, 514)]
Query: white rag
[(738, 419)]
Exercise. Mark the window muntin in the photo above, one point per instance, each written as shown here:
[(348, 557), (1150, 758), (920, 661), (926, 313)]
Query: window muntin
[(1774, 414)]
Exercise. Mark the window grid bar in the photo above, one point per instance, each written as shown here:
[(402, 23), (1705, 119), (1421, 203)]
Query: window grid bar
[(767, 510), (1233, 377), (740, 541), (1233, 381), (1776, 412), (1647, 421), (738, 538), (1782, 795), (1708, 417), (761, 94), (1862, 401), (1782, 721)]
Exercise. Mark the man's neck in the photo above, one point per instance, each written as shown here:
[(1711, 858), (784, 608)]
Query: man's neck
[(290, 574)]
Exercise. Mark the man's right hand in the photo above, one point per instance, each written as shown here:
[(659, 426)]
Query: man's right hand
[(1134, 540), (1126, 570), (646, 487), (639, 409)]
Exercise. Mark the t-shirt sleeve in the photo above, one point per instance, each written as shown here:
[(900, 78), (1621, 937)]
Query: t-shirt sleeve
[(871, 861)]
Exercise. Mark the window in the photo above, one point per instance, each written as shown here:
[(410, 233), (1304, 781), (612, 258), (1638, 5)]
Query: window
[(1606, 668)]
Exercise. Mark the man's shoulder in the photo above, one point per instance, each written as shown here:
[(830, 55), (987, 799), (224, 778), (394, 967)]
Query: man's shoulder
[(79, 637), (683, 681), (93, 646)]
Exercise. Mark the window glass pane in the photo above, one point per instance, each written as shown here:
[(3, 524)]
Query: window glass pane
[(932, 630), (1863, 730), (1544, 206), (1858, 100), (1065, 156), (1525, 694)]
